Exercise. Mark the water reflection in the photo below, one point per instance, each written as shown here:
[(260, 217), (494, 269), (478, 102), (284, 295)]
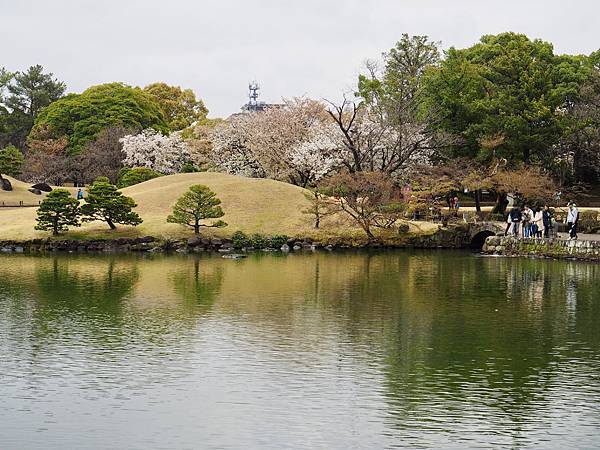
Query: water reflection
[(386, 348)]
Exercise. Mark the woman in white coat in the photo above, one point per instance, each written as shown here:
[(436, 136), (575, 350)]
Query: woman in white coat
[(538, 221)]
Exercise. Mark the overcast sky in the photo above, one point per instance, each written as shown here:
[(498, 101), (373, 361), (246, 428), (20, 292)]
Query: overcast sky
[(301, 47)]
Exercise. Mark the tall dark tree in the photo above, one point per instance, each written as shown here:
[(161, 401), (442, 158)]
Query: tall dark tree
[(28, 93), (11, 161), (505, 96), (578, 152)]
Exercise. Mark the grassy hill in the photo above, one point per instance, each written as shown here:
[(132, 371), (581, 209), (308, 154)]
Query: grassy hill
[(20, 193), (250, 204)]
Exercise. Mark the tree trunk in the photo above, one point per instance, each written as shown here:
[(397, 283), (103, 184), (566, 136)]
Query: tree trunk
[(111, 224), (478, 200), (367, 229), (500, 205), (196, 228), (317, 221)]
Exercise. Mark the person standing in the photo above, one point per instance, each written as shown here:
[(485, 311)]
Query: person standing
[(572, 219), (547, 221), (538, 222), (526, 218), (515, 216), (80, 194)]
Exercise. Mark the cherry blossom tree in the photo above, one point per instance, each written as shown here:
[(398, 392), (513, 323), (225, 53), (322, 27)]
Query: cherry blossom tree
[(153, 150), (231, 150), (295, 142)]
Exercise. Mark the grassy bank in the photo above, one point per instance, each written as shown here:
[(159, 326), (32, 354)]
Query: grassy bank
[(251, 205)]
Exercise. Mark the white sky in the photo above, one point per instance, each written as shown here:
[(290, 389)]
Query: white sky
[(301, 47)]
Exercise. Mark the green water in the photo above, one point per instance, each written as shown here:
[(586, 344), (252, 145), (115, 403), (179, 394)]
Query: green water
[(333, 351)]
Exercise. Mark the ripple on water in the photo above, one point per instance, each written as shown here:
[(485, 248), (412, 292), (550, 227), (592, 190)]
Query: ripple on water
[(361, 350)]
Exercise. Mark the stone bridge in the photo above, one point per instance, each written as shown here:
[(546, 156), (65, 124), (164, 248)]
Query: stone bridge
[(480, 231)]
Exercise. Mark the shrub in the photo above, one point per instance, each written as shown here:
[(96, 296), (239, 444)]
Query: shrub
[(130, 176), (260, 241), (589, 222), (240, 240), (278, 241), (189, 168)]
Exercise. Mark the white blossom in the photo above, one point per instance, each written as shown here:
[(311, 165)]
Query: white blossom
[(151, 149)]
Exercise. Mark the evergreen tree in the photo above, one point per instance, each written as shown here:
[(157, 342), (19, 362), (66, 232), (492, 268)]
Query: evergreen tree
[(58, 211), (104, 202), (195, 205), (11, 160)]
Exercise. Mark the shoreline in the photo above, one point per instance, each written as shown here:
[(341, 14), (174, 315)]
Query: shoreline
[(580, 250), (444, 238)]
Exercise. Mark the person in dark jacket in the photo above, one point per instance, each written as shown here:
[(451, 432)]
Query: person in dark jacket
[(547, 218), (515, 218)]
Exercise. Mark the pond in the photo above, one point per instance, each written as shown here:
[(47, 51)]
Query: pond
[(386, 349)]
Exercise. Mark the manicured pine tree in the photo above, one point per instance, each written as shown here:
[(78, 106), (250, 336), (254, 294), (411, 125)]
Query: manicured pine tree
[(104, 202), (197, 204), (57, 212)]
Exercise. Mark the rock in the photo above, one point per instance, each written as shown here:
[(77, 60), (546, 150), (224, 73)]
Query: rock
[(35, 191), (329, 247), (234, 256), (194, 241), (296, 247), (42, 187), (19, 249), (6, 186), (285, 248), (216, 242)]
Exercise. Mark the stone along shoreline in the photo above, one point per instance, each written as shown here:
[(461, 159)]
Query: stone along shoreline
[(549, 248)]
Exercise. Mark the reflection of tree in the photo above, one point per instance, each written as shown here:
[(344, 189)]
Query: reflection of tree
[(196, 286), (71, 285), (497, 332)]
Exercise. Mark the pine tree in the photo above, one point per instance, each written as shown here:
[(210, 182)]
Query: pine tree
[(11, 160), (58, 211), (104, 202), (195, 205)]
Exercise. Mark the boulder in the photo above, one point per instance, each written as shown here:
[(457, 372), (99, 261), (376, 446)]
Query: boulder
[(285, 248), (194, 241), (42, 187), (35, 191), (5, 184)]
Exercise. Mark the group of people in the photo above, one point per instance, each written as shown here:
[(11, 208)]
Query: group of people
[(537, 222), (529, 222)]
